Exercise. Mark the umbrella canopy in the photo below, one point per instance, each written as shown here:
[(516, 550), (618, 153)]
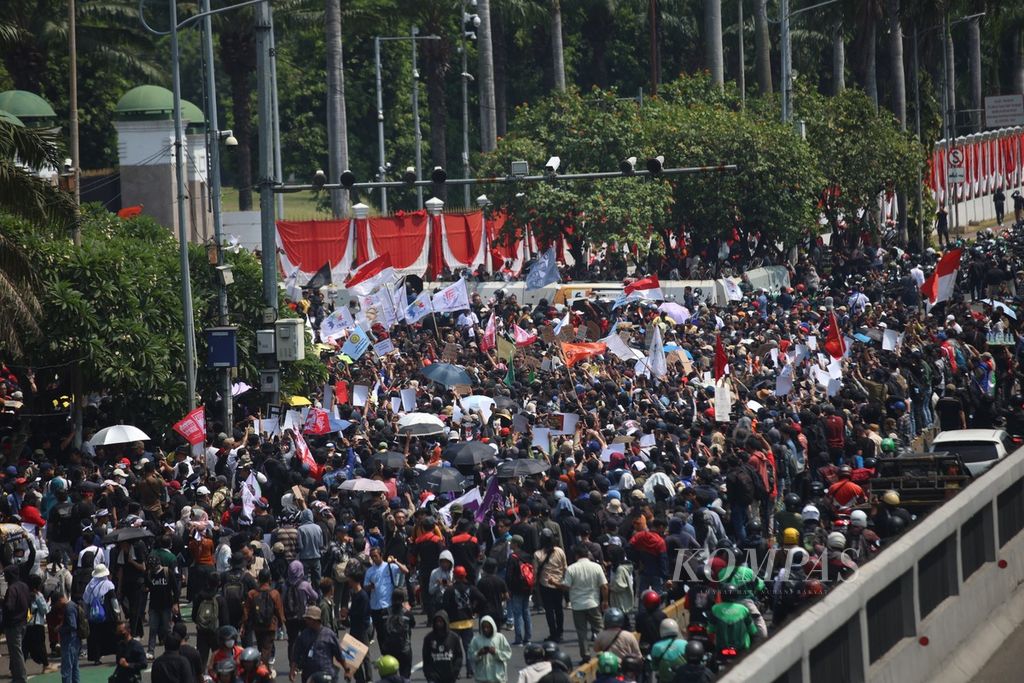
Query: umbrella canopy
[(420, 424), (392, 459), (297, 401), (444, 480), (521, 467), (131, 533), (364, 484), (118, 434), (470, 453), (447, 374), (504, 403)]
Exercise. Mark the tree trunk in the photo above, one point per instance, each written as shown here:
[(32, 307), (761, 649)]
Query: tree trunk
[(485, 53), (898, 83), (337, 127), (435, 67), (500, 70), (238, 57), (557, 53), (713, 58), (838, 59), (871, 66), (762, 48), (950, 87), (974, 71), (1018, 60)]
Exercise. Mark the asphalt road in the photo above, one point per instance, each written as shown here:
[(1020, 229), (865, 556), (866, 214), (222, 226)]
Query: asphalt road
[(1005, 663), (99, 674)]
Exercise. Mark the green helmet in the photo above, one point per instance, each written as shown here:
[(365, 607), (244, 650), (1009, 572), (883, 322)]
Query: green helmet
[(888, 445), (387, 665), (608, 663)]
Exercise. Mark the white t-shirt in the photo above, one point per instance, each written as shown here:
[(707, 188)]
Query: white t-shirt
[(584, 578)]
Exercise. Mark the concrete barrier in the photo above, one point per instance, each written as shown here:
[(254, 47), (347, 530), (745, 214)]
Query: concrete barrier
[(980, 569)]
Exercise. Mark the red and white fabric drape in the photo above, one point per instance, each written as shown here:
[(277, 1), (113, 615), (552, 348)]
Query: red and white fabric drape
[(308, 245), (988, 165)]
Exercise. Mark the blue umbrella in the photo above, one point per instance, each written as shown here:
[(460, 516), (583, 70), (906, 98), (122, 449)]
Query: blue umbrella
[(447, 374)]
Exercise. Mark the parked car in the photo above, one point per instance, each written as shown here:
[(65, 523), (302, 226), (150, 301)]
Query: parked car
[(979, 449)]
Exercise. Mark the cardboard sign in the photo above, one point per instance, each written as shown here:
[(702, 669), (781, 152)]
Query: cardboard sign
[(353, 653), (462, 389), (531, 362), (384, 347), (450, 353), (567, 334), (547, 334), (593, 331), (723, 402), (581, 333)]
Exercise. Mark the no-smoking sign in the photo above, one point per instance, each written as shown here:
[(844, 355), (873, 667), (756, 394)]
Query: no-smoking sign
[(955, 171)]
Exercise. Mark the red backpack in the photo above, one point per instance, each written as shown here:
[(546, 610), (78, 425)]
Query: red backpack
[(526, 574)]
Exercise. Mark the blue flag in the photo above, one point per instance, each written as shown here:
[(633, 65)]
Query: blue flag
[(543, 272)]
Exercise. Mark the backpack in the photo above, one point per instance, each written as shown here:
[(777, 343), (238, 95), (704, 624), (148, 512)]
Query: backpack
[(234, 589), (757, 483), (67, 528), (526, 574), (294, 602), (51, 583), (97, 610), (83, 622), (396, 634), (263, 610), (207, 616), (739, 485)]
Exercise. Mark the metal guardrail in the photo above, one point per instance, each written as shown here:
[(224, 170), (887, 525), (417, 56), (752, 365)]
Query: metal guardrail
[(936, 584)]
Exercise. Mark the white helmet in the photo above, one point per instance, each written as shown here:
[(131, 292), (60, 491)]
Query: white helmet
[(836, 541), (859, 518), (810, 512), (669, 628)]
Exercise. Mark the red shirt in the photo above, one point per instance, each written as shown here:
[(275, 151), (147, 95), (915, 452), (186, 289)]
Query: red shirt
[(835, 437), (844, 491)]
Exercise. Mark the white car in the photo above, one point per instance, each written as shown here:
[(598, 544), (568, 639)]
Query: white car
[(980, 449)]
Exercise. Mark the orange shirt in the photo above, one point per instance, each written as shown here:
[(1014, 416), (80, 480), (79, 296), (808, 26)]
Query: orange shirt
[(202, 550)]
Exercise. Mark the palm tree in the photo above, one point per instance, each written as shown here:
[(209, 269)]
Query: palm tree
[(974, 65), (898, 84), (713, 41), (485, 52), (29, 197), (337, 124), (762, 48), (838, 58), (557, 51)]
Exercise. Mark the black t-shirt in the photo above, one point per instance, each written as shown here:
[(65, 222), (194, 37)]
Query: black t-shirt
[(171, 667), (949, 409)]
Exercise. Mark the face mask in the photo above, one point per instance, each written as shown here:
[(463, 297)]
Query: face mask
[(229, 644)]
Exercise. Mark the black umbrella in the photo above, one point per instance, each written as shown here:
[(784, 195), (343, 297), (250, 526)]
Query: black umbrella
[(470, 453), (131, 533), (505, 403), (392, 459), (444, 480), (521, 467)]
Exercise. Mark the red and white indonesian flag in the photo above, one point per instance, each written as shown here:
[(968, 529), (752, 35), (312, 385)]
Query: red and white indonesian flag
[(372, 275), (521, 337), (646, 288), (490, 338), (939, 285)]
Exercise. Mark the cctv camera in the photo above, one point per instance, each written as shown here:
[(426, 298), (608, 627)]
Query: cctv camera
[(319, 179), (628, 166), (231, 141), (552, 165)]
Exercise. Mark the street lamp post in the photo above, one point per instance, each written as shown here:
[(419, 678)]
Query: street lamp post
[(382, 168), (786, 52), (179, 173)]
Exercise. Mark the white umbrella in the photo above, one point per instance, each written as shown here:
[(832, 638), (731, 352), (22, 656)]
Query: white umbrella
[(420, 424), (363, 484), (118, 434), (677, 313)]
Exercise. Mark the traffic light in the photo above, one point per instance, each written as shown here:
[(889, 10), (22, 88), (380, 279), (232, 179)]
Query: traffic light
[(628, 166), (409, 176), (655, 164), (319, 179), (438, 175)]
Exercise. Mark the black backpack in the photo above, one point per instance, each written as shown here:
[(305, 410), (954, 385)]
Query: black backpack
[(396, 633), (294, 602), (67, 526), (263, 610)]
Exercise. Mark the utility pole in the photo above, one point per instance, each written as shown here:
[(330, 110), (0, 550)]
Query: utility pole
[(265, 106), (382, 167), (179, 167), (465, 104), (337, 137), (278, 172), (416, 118), (488, 123), (743, 64), (919, 237), (213, 175), (76, 176), (784, 46)]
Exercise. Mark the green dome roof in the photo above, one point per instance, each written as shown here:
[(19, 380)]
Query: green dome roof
[(26, 105), (11, 118), (155, 102)]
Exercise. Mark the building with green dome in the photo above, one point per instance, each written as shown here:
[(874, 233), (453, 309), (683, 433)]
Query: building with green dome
[(144, 120)]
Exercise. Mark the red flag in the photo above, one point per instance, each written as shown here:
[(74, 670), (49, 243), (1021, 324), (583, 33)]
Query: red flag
[(371, 275), (490, 338), (645, 288), (193, 426), (939, 285), (340, 392), (521, 337), (317, 422), (305, 457), (721, 360), (783, 347), (834, 342), (130, 211), (574, 353)]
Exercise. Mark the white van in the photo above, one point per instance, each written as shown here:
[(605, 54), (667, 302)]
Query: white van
[(980, 449)]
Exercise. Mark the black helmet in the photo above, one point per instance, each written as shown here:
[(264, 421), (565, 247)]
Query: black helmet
[(793, 502), (870, 463), (614, 618), (845, 471), (817, 489), (632, 664), (694, 652), (729, 592), (563, 661), (754, 527), (550, 648), (533, 653)]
